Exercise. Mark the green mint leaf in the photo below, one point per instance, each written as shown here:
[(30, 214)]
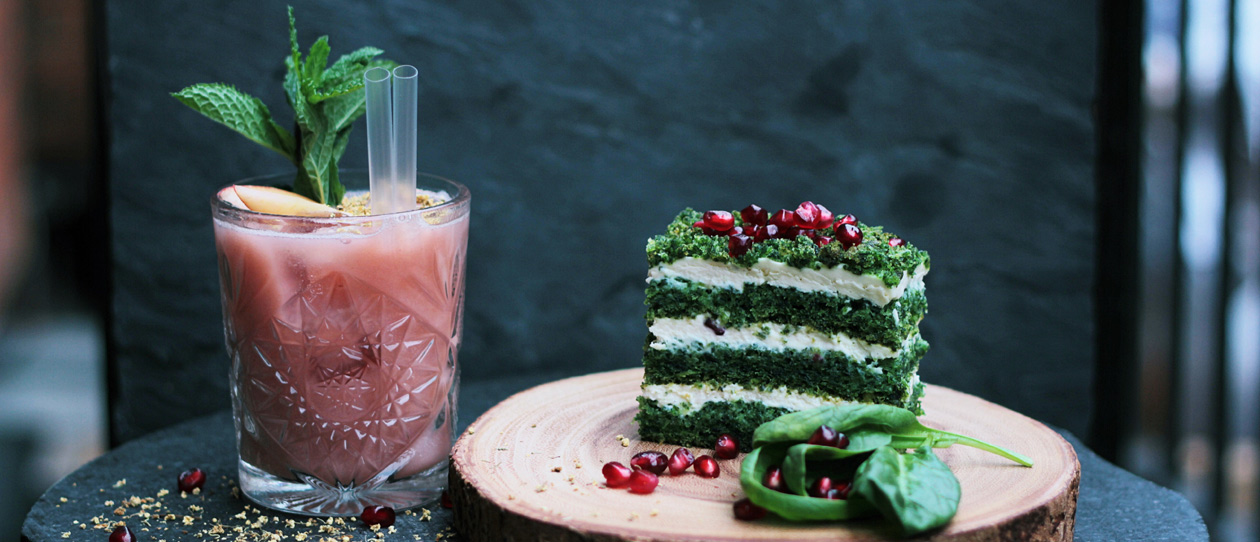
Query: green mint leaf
[(342, 111), (336, 189), (295, 54), (319, 162), (791, 506), (333, 91), (917, 491), (241, 112), (344, 69), (285, 138), (317, 60), (326, 100)]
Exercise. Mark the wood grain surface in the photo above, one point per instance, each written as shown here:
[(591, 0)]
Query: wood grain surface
[(529, 469)]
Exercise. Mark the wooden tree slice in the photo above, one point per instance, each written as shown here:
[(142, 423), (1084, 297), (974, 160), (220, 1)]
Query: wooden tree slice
[(529, 469)]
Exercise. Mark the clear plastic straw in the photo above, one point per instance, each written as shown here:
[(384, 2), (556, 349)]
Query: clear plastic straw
[(376, 82), (406, 93)]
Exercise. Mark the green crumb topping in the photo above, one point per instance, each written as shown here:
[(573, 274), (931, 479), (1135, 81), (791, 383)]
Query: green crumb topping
[(757, 303), (682, 426), (916, 399), (805, 371), (873, 256)]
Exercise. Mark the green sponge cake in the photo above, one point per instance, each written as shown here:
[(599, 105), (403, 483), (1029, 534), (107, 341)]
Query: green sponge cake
[(752, 315)]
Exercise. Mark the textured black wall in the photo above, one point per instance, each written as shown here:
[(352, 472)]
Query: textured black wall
[(583, 127)]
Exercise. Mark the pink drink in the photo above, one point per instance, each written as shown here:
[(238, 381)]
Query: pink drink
[(343, 334)]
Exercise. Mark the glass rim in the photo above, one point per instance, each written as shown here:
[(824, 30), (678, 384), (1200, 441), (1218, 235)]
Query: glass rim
[(221, 207)]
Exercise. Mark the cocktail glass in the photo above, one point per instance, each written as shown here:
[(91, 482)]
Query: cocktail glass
[(343, 335)]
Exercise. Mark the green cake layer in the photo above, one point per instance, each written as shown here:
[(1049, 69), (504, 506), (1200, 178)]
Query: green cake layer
[(757, 303), (873, 256), (810, 372), (701, 428)]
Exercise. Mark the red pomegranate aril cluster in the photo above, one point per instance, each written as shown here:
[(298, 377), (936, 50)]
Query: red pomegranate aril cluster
[(809, 219), (782, 218), (820, 487), (811, 216), (377, 515), (806, 213), (839, 491), (896, 242), (726, 447), (718, 220), (826, 436), (747, 511), (680, 461), (774, 480), (616, 474), (753, 214), (122, 534), (643, 482), (738, 245), (191, 480), (707, 467), (826, 488), (848, 235), (643, 474), (654, 462)]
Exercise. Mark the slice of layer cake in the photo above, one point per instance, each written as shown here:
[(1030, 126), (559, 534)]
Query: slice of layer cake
[(753, 315)]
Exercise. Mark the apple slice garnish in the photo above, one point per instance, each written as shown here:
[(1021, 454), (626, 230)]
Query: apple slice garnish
[(275, 201), (229, 195)]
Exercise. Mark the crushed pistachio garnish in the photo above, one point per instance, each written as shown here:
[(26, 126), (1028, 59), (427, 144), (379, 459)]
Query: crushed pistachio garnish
[(155, 516), (361, 204)]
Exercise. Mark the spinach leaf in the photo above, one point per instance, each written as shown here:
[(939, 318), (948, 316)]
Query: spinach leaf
[(915, 490), (789, 506), (901, 424), (795, 463)]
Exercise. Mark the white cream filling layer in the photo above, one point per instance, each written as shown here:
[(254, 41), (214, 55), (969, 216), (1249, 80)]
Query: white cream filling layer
[(835, 279), (697, 396), (673, 333)]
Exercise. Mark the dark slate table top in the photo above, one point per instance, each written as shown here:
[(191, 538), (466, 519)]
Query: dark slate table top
[(129, 481)]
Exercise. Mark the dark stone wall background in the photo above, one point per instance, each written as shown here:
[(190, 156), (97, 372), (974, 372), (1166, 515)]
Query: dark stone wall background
[(583, 127)]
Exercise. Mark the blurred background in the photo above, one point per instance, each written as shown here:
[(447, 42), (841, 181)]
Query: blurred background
[(1194, 382), (52, 256)]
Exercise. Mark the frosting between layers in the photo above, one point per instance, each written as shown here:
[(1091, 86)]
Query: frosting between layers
[(697, 396), (673, 333), (834, 279)]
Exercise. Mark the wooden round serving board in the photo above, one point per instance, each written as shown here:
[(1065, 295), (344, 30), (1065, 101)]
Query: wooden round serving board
[(529, 469)]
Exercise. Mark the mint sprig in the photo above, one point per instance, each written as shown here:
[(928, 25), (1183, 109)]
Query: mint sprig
[(326, 100)]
